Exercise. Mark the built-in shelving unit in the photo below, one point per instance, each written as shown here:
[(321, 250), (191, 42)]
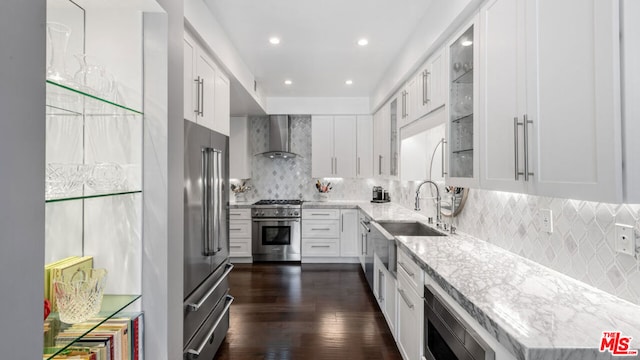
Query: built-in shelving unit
[(111, 306)]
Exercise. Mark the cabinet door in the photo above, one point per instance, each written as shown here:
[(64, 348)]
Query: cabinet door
[(188, 79), (502, 97), (206, 71), (462, 130), (436, 93), (390, 302), (344, 146), (322, 146), (573, 98), (349, 232), (364, 143), (222, 105), (409, 327)]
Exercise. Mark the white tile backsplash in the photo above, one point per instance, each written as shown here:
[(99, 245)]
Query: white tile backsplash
[(581, 245)]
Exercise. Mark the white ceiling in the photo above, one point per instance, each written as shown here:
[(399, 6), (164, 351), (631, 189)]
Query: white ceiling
[(318, 49)]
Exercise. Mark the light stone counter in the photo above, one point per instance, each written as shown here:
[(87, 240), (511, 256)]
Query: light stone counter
[(239, 205), (535, 312)]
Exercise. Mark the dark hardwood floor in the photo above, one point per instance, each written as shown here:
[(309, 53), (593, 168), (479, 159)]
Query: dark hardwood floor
[(309, 311)]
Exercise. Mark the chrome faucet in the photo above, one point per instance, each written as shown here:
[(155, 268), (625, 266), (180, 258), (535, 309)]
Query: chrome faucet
[(438, 201)]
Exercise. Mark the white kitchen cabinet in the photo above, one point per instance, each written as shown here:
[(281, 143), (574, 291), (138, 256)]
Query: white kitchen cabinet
[(239, 148), (349, 232), (333, 146), (462, 132), (551, 99), (406, 96), (390, 301), (409, 328), (240, 233), (222, 102), (631, 92), (430, 85), (206, 88), (364, 144)]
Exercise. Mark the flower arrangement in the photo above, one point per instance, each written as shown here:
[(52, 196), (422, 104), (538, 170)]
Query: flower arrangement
[(323, 188), (240, 189)]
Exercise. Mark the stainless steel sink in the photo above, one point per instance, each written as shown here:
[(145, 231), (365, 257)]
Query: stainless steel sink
[(409, 228)]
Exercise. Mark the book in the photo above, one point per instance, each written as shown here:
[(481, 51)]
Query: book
[(47, 275)]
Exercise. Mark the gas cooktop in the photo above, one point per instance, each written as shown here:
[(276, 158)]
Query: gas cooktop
[(279, 202)]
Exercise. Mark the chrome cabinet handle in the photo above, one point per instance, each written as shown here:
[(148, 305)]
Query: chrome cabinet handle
[(202, 97), (515, 148), (404, 297), (364, 225), (405, 269), (341, 222), (336, 165), (444, 143), (276, 220), (235, 229), (379, 164), (195, 353), (320, 246), (358, 165), (321, 229), (380, 281), (197, 109), (424, 87), (526, 123), (195, 307)]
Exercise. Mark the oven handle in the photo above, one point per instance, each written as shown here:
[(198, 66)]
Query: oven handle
[(195, 307), (276, 220)]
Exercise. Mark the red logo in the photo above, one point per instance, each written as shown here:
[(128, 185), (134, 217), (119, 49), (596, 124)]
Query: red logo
[(616, 344)]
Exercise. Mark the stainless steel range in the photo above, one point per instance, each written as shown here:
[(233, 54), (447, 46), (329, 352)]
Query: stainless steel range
[(276, 230)]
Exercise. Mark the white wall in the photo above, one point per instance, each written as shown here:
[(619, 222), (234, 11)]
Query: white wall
[(442, 19), (317, 105), (22, 159)]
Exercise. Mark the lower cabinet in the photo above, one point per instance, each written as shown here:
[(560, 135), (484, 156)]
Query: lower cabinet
[(384, 290), (240, 233), (329, 233), (409, 323)]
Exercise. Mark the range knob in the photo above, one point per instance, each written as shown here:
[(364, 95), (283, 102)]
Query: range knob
[(296, 213), (262, 213)]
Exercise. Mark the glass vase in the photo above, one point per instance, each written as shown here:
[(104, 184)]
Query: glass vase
[(57, 42), (92, 77)]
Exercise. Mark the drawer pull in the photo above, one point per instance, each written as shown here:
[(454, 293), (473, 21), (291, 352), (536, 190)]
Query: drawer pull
[(320, 214), (320, 246), (405, 269), (235, 229), (404, 297), (321, 229), (236, 246)]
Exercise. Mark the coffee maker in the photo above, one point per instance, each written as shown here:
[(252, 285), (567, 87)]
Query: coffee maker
[(379, 195)]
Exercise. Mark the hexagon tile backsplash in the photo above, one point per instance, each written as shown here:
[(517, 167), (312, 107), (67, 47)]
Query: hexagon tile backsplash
[(581, 245)]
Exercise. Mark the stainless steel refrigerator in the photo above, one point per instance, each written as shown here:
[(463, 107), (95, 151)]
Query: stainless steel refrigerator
[(206, 241)]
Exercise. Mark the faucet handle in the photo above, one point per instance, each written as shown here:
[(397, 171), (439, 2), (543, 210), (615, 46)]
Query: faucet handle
[(445, 227), (452, 229), (430, 220)]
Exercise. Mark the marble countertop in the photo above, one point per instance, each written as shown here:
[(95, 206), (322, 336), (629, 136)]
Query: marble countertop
[(534, 311)]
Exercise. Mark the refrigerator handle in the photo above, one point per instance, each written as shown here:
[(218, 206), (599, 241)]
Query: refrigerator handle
[(204, 156), (191, 307), (195, 353), (213, 186), (219, 183)]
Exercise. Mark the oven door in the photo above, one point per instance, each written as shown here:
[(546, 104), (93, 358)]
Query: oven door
[(276, 239)]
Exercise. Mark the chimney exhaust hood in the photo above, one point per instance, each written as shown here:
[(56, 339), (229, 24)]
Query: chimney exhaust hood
[(279, 138)]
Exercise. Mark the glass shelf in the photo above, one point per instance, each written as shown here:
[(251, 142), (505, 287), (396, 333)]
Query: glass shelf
[(464, 78), (66, 100), (111, 306), (466, 117), (91, 196)]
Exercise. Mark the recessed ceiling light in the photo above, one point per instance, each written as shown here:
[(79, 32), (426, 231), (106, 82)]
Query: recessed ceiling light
[(274, 40), (288, 82), (467, 43), (363, 42), (348, 82)]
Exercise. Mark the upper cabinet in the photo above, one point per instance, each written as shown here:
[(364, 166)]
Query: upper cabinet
[(430, 85), (333, 148), (462, 143), (206, 88), (550, 99), (364, 143), (381, 138)]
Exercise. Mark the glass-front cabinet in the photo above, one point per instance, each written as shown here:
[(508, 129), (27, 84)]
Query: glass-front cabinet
[(462, 126), (93, 176)]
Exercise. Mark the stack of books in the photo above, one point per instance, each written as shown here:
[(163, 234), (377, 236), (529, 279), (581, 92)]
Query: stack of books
[(64, 268), (119, 338)]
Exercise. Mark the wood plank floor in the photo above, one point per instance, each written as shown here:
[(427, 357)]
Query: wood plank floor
[(308, 311)]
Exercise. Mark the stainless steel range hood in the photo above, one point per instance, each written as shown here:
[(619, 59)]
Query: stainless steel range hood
[(279, 138)]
